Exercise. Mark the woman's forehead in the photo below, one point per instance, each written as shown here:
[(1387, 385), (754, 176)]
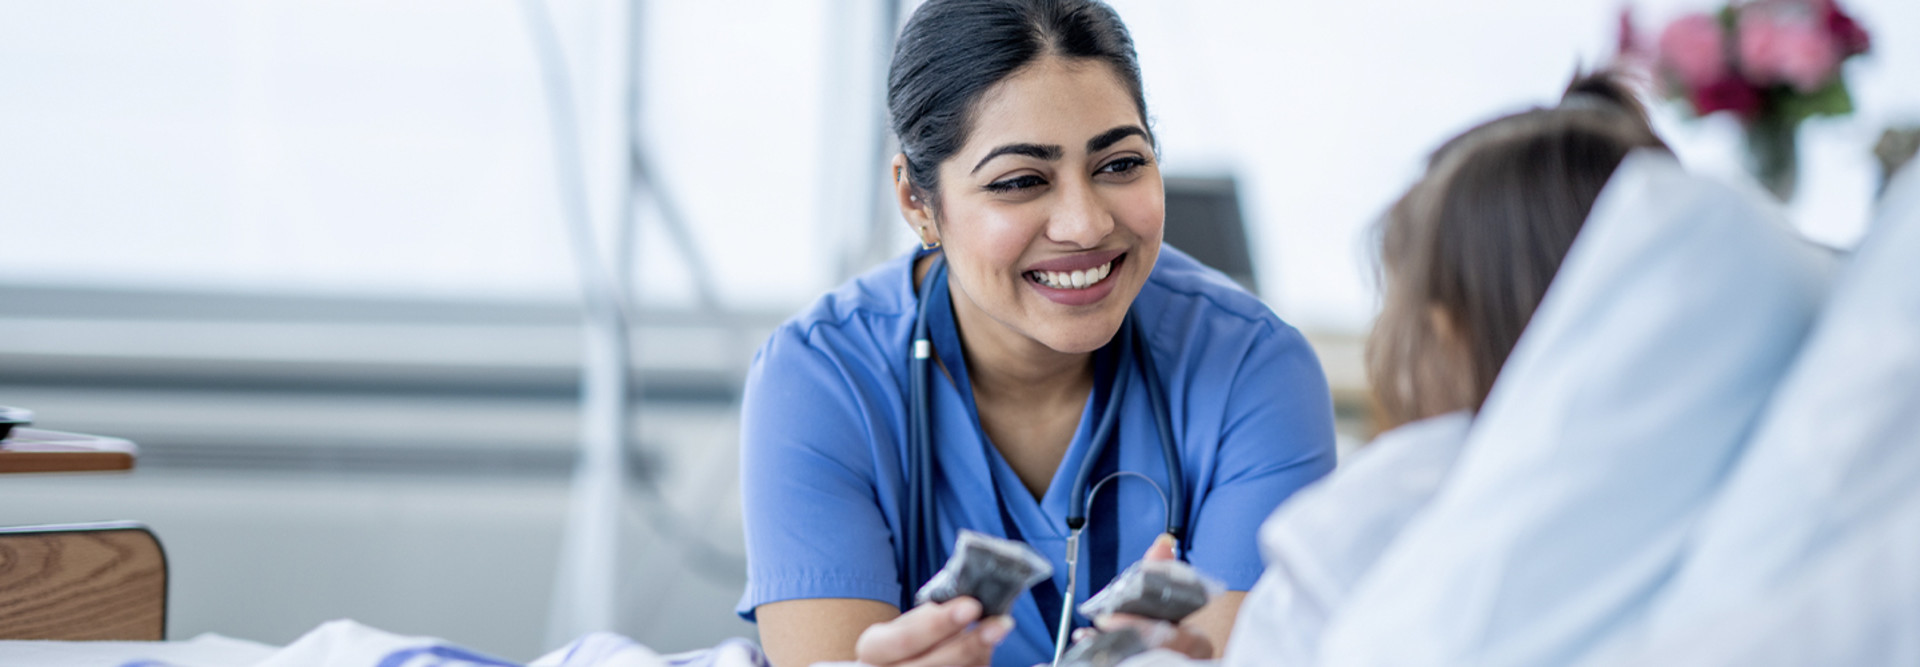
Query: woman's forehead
[(1051, 102)]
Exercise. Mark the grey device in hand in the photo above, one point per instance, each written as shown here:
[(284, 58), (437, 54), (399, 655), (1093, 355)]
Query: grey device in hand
[(1106, 649), (989, 569), (1166, 590)]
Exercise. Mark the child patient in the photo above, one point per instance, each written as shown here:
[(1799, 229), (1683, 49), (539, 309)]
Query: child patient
[(1467, 254)]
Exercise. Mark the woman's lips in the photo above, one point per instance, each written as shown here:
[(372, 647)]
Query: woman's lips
[(1079, 287)]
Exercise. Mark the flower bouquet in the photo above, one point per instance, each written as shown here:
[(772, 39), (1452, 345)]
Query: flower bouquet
[(1772, 63)]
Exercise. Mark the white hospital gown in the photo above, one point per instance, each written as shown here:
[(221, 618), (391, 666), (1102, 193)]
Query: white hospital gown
[(1320, 543)]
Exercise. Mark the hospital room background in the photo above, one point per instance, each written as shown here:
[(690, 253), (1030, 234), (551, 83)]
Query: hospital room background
[(324, 263)]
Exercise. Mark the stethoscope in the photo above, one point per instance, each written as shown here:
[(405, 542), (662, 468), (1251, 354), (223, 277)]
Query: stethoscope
[(922, 536)]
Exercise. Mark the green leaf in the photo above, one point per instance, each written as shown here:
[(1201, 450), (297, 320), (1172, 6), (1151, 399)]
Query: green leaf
[(1832, 100)]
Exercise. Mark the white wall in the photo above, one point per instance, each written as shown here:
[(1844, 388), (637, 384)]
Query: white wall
[(1328, 109), (402, 148), (354, 146)]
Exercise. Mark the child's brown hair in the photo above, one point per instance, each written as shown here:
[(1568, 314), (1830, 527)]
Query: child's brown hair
[(1467, 253)]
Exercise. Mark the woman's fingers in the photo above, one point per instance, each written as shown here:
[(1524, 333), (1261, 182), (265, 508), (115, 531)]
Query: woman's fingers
[(1183, 640), (916, 632), (1162, 548), (972, 648), (935, 636), (1189, 643), (1111, 622)]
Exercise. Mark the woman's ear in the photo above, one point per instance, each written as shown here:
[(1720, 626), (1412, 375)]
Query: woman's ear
[(913, 207)]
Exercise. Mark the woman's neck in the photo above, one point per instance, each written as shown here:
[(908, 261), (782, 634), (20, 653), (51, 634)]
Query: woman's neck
[(1006, 366), (1029, 396)]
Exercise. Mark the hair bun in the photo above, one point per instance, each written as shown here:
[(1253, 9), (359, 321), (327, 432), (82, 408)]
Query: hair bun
[(1605, 89)]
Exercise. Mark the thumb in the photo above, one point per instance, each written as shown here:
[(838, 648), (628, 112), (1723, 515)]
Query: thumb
[(1162, 548)]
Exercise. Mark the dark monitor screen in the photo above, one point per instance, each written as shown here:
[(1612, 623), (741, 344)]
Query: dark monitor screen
[(1203, 220)]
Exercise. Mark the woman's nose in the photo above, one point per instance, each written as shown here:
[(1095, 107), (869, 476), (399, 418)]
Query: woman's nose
[(1080, 218)]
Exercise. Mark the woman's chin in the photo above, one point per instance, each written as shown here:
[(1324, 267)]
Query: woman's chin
[(1084, 338)]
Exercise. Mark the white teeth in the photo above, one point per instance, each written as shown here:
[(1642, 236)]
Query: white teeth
[(1074, 279)]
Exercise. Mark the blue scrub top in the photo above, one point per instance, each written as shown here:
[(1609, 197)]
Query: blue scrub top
[(824, 437)]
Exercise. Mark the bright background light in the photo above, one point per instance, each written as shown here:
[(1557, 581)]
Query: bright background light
[(400, 148)]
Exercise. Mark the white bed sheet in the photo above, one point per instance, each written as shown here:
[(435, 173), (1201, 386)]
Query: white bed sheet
[(207, 650)]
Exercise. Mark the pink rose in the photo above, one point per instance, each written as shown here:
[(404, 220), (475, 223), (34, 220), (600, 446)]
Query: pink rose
[(1845, 31), (1782, 43), (1693, 48)]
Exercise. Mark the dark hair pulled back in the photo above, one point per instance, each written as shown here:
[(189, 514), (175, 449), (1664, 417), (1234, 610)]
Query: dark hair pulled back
[(1469, 251), (952, 51)]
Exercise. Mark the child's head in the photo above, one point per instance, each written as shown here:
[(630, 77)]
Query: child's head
[(1467, 252)]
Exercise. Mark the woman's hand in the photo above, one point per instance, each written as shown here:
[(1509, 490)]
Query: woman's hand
[(934, 635), (1188, 638)]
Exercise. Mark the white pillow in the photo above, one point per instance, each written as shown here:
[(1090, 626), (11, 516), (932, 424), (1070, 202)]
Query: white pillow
[(1838, 450), (1857, 603), (1677, 309)]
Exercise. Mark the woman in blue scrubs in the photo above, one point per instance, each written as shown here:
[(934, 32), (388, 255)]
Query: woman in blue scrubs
[(1029, 169)]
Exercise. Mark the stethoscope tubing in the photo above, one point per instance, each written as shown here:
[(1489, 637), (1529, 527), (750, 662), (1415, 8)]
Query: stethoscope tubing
[(1077, 500), (1176, 494), (920, 536)]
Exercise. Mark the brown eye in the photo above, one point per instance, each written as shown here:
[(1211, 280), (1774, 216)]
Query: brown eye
[(1016, 183), (1123, 165)]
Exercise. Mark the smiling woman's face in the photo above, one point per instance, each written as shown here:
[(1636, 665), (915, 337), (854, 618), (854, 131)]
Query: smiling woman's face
[(1051, 214)]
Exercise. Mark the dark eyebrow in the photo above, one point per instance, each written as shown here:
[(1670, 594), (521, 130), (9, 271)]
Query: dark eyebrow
[(1113, 136), (1048, 153)]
